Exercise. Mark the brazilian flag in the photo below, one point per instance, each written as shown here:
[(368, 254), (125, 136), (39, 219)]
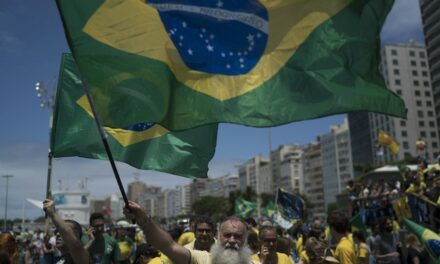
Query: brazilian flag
[(269, 210), (143, 146), (244, 208), (429, 239), (290, 206), (184, 63)]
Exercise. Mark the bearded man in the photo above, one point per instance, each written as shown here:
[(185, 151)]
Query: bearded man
[(230, 247)]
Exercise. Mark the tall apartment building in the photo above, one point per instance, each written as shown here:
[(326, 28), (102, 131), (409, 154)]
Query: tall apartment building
[(337, 166), (405, 70), (220, 187), (148, 199), (197, 186), (313, 180), (291, 171), (184, 192), (363, 148), (230, 184), (276, 158), (431, 26), (249, 174), (169, 203), (265, 179), (135, 190)]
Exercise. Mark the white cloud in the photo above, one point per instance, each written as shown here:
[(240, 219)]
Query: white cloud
[(9, 42), (28, 163)]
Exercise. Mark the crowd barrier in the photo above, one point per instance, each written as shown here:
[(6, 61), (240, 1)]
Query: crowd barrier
[(418, 208)]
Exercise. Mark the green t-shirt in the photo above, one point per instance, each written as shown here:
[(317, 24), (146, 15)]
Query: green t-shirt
[(104, 250)]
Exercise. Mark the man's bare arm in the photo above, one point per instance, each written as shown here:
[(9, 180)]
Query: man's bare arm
[(159, 238), (74, 245)]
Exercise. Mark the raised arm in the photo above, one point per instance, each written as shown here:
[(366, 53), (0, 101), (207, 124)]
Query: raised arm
[(72, 242), (159, 238)]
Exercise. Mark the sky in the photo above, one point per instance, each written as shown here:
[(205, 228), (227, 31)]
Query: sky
[(31, 43)]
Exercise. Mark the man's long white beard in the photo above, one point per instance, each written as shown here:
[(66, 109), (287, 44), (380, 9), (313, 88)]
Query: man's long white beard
[(222, 255)]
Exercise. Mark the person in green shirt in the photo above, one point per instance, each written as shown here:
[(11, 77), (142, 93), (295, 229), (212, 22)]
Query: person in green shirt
[(102, 248)]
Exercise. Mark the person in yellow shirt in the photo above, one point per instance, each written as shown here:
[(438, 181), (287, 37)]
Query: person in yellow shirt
[(186, 237), (363, 251), (204, 233), (146, 254), (339, 225), (268, 246)]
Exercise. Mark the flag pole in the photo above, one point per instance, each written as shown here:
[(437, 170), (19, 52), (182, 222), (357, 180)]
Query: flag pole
[(105, 142)]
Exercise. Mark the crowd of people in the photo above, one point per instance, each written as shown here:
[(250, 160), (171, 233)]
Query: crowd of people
[(420, 190), (236, 241)]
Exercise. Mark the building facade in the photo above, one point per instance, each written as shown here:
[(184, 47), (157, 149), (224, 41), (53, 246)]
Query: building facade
[(291, 171), (135, 190), (337, 165), (249, 173), (313, 181), (405, 70), (431, 27)]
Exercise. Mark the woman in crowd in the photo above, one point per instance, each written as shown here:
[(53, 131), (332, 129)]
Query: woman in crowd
[(416, 253)]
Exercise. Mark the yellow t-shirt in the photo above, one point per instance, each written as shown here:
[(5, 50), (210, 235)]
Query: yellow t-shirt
[(304, 257), (186, 238), (345, 252), (190, 245), (203, 257), (282, 258), (164, 259), (299, 245), (363, 251), (155, 260), (416, 189)]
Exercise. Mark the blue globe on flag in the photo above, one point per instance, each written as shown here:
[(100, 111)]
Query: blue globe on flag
[(216, 37)]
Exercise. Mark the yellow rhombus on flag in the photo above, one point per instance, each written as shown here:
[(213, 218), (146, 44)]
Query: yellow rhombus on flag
[(386, 140)]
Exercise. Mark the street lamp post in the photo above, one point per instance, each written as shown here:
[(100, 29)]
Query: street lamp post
[(7, 176), (46, 101)]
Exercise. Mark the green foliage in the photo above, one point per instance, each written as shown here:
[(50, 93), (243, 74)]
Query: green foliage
[(215, 207), (364, 168), (267, 198)]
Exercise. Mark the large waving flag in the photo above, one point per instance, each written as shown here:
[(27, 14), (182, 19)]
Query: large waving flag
[(244, 208), (429, 239), (144, 146), (259, 63), (384, 139)]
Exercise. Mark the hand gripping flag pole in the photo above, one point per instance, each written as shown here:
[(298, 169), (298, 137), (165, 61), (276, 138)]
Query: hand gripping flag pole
[(105, 142)]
